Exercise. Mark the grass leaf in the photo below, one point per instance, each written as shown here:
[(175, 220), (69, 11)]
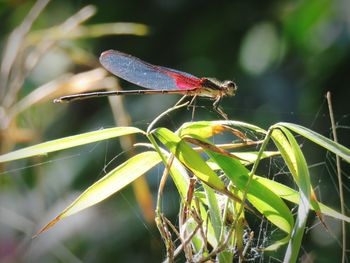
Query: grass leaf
[(111, 183), (68, 142), (319, 139), (189, 158), (303, 181)]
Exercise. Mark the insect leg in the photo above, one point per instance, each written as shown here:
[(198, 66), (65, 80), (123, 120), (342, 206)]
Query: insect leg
[(180, 100), (218, 109), (193, 103)]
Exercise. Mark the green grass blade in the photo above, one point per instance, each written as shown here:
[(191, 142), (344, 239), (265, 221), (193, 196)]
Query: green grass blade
[(285, 149), (68, 142), (304, 184), (284, 146), (190, 158), (319, 139), (111, 183)]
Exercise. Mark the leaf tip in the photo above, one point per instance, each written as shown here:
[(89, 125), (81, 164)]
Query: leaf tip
[(45, 228)]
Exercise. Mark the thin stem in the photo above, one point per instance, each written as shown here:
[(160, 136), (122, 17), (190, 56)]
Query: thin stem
[(340, 181)]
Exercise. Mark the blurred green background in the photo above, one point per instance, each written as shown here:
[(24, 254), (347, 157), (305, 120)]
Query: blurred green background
[(283, 55)]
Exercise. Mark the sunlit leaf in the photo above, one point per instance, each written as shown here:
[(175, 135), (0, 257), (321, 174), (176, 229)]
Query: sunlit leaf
[(68, 142), (207, 129), (285, 149), (189, 158), (111, 183), (319, 139), (287, 153), (304, 204)]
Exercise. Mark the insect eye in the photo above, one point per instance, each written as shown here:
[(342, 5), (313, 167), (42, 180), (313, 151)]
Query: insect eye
[(229, 84)]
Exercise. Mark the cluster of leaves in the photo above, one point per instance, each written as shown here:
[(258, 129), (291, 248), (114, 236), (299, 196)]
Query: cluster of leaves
[(213, 213)]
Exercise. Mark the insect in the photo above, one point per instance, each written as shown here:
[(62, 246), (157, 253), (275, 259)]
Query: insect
[(157, 79)]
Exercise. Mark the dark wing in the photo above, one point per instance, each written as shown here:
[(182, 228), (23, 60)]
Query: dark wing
[(146, 75)]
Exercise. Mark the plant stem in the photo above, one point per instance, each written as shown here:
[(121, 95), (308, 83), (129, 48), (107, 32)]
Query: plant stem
[(340, 181)]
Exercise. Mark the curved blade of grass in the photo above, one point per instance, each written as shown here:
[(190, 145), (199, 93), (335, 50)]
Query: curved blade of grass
[(189, 158), (319, 139), (286, 150), (262, 198), (304, 184), (111, 183), (68, 142)]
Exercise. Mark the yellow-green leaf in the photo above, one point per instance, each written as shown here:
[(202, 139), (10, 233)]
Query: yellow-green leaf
[(326, 143), (68, 142), (111, 183), (189, 158)]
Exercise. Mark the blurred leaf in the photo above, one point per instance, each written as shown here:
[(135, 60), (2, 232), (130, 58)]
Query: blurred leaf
[(89, 31), (302, 21), (261, 48)]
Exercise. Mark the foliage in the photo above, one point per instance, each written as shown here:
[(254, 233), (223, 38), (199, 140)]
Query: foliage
[(213, 214), (282, 55)]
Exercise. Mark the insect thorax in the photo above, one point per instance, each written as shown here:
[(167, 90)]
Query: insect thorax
[(216, 88)]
